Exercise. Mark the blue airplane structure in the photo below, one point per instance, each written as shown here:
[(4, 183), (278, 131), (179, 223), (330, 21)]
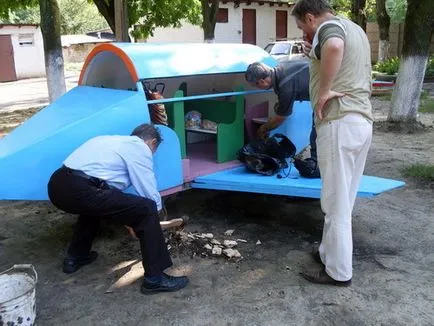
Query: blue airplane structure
[(110, 99)]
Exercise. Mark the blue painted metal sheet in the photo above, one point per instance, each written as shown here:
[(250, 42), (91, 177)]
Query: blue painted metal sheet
[(167, 160), (155, 60), (76, 106), (30, 154), (298, 125), (240, 179)]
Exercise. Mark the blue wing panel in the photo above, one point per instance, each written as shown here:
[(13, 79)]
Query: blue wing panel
[(240, 179), (30, 154)]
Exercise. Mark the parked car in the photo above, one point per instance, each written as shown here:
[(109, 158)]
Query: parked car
[(285, 50)]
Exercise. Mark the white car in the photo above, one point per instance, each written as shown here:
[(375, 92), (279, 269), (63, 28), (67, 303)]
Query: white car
[(285, 50)]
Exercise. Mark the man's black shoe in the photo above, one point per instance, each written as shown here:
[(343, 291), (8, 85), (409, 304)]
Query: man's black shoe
[(317, 257), (321, 277), (72, 264), (163, 283), (315, 254)]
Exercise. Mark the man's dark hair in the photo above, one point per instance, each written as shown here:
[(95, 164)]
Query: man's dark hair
[(146, 132), (257, 71), (314, 7)]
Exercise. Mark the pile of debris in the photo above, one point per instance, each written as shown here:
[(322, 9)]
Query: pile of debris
[(205, 244)]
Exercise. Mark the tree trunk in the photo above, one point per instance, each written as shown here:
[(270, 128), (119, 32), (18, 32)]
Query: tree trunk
[(209, 18), (358, 14), (383, 21), (383, 50), (121, 21), (107, 11), (418, 30), (50, 27)]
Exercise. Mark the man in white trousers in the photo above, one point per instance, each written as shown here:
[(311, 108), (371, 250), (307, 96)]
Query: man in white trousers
[(340, 88)]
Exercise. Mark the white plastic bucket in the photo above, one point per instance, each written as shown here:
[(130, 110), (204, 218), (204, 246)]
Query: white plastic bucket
[(17, 296)]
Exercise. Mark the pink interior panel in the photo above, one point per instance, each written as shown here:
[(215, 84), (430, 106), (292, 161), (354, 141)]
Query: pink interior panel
[(202, 161), (256, 111)]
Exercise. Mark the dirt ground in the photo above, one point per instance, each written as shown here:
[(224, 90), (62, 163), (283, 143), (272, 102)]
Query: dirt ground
[(393, 255)]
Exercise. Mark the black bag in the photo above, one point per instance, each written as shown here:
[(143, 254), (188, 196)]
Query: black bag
[(269, 156), (307, 168)]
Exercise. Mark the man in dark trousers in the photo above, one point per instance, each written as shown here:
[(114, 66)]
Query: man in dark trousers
[(290, 81), (90, 184)]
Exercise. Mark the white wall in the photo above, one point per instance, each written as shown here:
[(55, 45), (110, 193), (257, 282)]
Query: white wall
[(293, 30), (29, 59), (187, 33), (265, 24), (231, 32)]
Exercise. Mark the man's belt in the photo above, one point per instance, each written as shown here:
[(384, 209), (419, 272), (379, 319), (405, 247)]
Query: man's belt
[(99, 183)]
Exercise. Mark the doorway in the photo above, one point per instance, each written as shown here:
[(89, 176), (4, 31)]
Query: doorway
[(7, 68), (281, 24), (249, 26)]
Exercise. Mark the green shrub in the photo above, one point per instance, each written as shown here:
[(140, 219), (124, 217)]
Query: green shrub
[(391, 66), (430, 67), (420, 171)]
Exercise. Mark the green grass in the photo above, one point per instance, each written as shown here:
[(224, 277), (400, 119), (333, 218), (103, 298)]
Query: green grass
[(427, 106), (426, 103), (420, 171), (384, 96), (424, 95)]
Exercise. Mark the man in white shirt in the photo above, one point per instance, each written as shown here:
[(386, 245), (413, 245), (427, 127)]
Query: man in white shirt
[(90, 183)]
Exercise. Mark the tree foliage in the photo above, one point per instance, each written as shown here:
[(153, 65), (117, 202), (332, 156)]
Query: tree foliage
[(396, 10), (8, 6), (146, 15), (76, 16), (29, 15), (343, 8), (79, 17)]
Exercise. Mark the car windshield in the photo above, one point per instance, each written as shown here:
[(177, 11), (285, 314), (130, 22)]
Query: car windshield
[(278, 48)]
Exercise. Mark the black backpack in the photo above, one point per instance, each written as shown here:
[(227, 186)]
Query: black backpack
[(307, 168), (268, 156)]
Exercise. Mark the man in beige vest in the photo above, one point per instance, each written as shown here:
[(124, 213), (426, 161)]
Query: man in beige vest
[(340, 88)]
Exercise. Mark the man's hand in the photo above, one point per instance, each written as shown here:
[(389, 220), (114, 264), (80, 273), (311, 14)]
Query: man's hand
[(263, 131), (162, 214), (322, 102), (131, 232), (307, 47)]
